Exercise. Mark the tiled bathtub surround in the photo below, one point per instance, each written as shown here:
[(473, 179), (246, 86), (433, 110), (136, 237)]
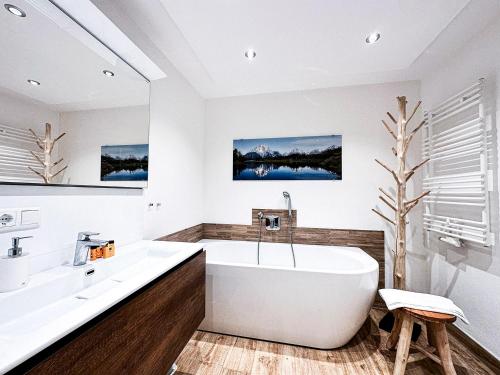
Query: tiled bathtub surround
[(371, 242), (191, 234)]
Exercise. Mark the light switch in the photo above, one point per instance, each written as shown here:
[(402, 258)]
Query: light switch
[(30, 217)]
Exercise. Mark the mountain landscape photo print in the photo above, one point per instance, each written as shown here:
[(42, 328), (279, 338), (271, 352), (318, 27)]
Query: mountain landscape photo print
[(290, 158), (124, 162)]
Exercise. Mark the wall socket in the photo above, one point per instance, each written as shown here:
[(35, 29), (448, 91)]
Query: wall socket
[(16, 219)]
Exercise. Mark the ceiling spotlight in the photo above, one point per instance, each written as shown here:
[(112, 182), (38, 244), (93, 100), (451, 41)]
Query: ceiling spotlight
[(250, 54), (108, 73), (15, 10), (372, 38), (33, 82)]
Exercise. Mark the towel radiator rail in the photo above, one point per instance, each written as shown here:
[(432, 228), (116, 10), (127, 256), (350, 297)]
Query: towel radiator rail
[(16, 147), (456, 142)]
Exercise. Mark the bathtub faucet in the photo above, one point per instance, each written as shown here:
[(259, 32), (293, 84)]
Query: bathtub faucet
[(286, 194), (260, 216)]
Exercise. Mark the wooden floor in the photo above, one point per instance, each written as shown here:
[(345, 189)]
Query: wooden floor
[(211, 353)]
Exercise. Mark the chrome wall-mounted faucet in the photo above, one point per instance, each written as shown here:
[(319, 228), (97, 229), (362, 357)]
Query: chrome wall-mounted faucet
[(83, 243), (287, 197), (272, 222)]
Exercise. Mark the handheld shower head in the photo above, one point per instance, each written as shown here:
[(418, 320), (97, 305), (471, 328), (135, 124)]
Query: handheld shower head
[(286, 194)]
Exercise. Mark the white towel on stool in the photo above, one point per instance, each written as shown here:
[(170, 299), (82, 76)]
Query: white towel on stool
[(395, 299)]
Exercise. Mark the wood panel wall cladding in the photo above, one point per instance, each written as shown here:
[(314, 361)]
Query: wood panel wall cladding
[(370, 241), (144, 334)]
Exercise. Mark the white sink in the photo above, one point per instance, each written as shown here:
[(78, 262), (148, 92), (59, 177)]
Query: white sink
[(59, 300), (84, 282), (38, 318)]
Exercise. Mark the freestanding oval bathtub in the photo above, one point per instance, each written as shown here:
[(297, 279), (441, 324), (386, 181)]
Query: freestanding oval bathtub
[(321, 304)]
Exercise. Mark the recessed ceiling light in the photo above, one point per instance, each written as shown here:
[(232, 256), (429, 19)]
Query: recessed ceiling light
[(15, 10), (33, 82), (250, 54), (108, 73), (372, 38)]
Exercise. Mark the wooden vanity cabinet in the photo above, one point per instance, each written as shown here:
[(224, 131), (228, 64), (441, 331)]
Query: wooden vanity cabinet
[(142, 334)]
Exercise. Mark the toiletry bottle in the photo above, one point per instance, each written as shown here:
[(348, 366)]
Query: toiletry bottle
[(109, 249), (93, 252), (14, 267)]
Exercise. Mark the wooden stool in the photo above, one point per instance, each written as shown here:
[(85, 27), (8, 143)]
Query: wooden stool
[(436, 336)]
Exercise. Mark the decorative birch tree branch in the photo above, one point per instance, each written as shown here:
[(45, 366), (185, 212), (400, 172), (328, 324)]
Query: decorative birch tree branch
[(47, 146), (384, 217), (392, 117), (399, 204), (391, 132), (387, 194)]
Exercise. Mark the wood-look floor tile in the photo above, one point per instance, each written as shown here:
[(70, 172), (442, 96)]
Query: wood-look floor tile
[(366, 354)]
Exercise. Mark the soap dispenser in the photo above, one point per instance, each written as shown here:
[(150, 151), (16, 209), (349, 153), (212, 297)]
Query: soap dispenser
[(14, 268)]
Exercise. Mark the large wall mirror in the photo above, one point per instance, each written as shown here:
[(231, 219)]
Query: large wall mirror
[(71, 111)]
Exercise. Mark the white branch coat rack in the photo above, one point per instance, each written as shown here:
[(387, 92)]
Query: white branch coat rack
[(456, 144)]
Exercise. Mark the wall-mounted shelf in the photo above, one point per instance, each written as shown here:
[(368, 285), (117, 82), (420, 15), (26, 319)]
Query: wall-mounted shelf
[(7, 183)]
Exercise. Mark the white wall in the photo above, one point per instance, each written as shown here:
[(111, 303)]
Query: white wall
[(470, 276), (87, 131), (67, 211), (177, 117), (24, 113), (175, 180), (117, 214), (354, 112), (64, 211), (176, 162)]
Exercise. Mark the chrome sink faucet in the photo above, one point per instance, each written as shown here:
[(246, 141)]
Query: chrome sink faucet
[(83, 243)]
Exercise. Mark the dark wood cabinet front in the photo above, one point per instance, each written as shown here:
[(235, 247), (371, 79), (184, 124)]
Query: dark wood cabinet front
[(144, 334)]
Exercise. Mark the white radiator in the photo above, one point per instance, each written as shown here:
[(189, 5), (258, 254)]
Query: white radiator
[(456, 142), (16, 145)]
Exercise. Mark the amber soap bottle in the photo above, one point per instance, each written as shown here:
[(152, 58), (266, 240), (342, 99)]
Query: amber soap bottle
[(94, 252), (108, 250)]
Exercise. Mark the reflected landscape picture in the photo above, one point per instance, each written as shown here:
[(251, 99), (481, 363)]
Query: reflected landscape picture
[(290, 158), (124, 163)]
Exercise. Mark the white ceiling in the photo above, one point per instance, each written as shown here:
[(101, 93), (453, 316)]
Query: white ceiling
[(49, 47), (300, 44)]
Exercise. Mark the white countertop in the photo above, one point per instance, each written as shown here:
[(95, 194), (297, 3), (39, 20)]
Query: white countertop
[(59, 300)]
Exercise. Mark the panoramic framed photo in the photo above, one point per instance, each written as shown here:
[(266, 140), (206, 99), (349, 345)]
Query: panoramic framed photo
[(289, 158), (124, 162)]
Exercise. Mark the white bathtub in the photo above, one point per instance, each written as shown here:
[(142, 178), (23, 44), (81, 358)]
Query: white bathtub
[(321, 304)]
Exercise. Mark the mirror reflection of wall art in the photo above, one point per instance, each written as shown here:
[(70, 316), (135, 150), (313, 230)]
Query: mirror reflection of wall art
[(291, 158), (124, 163)]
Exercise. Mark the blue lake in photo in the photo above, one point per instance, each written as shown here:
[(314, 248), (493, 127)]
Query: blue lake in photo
[(125, 175), (288, 158), (266, 171), (124, 162)]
